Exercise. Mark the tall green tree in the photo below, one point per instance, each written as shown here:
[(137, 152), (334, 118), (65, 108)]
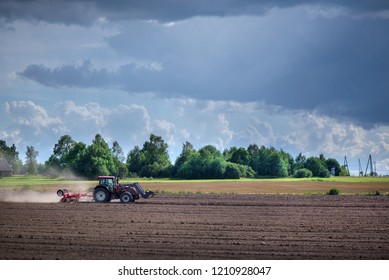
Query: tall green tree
[(289, 160), (273, 164), (60, 158), (300, 161), (118, 158), (190, 168), (268, 161), (11, 155), (210, 151), (31, 162), (240, 156), (117, 151), (152, 160), (134, 161), (209, 163), (255, 155), (186, 153), (99, 159), (77, 157), (67, 159)]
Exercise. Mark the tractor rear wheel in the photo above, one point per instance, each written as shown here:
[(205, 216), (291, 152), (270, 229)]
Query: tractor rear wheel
[(126, 197), (101, 195)]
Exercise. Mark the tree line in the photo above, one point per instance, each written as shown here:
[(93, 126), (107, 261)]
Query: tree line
[(72, 158)]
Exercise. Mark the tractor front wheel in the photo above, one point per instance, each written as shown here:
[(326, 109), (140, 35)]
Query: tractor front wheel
[(126, 197), (101, 195)]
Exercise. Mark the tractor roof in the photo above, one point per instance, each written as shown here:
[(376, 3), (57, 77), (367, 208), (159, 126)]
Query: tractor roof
[(106, 177)]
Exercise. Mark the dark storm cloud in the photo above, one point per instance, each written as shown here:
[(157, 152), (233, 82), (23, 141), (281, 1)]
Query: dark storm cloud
[(65, 12), (86, 12), (339, 67), (131, 76), (82, 76)]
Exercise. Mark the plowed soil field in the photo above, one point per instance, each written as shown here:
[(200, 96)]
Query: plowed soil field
[(199, 226)]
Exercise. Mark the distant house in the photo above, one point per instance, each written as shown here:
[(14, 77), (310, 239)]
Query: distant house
[(5, 168)]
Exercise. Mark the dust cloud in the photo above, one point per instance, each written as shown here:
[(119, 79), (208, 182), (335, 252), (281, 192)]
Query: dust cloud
[(29, 196)]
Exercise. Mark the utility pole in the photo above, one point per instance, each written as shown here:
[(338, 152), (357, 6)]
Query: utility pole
[(369, 162), (345, 164)]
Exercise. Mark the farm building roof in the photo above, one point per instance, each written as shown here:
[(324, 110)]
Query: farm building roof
[(4, 166)]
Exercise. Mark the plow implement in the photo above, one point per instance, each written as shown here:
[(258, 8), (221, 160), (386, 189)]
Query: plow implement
[(108, 189), (67, 196)]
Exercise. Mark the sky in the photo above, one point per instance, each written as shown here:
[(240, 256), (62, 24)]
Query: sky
[(302, 76)]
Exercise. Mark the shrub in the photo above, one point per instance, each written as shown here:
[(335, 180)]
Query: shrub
[(333, 191), (325, 173), (377, 193), (232, 171), (316, 166), (303, 173)]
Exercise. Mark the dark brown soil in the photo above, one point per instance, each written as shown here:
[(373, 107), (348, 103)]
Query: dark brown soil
[(199, 227)]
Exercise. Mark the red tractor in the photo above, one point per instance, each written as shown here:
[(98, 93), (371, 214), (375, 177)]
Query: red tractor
[(109, 188)]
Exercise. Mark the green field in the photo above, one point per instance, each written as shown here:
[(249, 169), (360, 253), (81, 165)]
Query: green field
[(41, 180), (40, 183), (347, 185)]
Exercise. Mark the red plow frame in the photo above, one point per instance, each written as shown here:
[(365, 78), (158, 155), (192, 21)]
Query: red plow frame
[(66, 196)]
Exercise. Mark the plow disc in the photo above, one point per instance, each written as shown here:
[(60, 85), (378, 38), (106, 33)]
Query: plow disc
[(67, 197)]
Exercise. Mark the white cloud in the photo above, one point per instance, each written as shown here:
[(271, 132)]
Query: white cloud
[(89, 112), (322, 134), (260, 132), (137, 112), (27, 113), (225, 132), (129, 124), (223, 124), (13, 136), (165, 126), (168, 129), (382, 167), (384, 140), (327, 12)]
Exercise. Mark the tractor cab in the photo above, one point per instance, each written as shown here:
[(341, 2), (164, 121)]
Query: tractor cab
[(110, 182)]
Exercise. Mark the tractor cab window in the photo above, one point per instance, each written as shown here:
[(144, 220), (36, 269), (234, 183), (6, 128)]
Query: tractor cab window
[(107, 182)]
